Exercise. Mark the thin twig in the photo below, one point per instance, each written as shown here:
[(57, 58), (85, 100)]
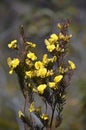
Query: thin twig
[(53, 109)]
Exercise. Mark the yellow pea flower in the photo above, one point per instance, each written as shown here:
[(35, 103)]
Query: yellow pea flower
[(29, 74), (12, 64), (54, 37), (44, 116), (13, 44), (58, 78), (41, 88), (42, 72), (29, 62), (59, 26), (20, 114), (71, 65), (32, 108), (52, 84), (45, 59), (31, 56), (61, 36), (47, 42), (31, 44), (38, 64), (11, 71), (50, 47), (49, 73), (61, 70)]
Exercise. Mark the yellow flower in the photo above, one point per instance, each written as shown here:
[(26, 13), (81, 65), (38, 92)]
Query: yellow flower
[(54, 37), (47, 42), (49, 73), (31, 56), (61, 36), (50, 47), (12, 64), (61, 70), (38, 65), (42, 72), (28, 62), (71, 65), (53, 59), (20, 114), (32, 108), (52, 84), (59, 26), (57, 48), (30, 74), (31, 44), (35, 90), (67, 37), (41, 88), (58, 78), (13, 44), (44, 116), (45, 59)]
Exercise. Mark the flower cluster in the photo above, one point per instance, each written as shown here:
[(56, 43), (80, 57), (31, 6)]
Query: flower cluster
[(45, 77)]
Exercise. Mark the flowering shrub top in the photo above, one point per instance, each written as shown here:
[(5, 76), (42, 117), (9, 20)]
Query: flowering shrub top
[(45, 77)]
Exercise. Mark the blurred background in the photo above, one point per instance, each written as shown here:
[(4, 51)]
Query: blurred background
[(40, 18)]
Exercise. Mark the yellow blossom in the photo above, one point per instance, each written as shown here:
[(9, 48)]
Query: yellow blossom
[(13, 44), (31, 56), (53, 59), (47, 42), (44, 116), (66, 37), (32, 108), (71, 65), (35, 90), (41, 88), (61, 36), (52, 84), (54, 37), (11, 71), (42, 72), (30, 74), (38, 64), (20, 114), (49, 73), (61, 70), (50, 47), (58, 78), (45, 59), (12, 64), (28, 62), (57, 48), (31, 44), (59, 26)]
